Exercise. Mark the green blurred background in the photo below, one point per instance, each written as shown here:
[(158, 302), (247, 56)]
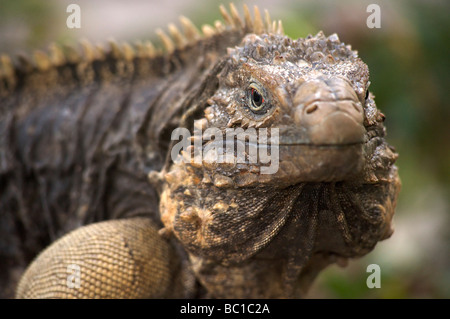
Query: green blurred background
[(408, 59)]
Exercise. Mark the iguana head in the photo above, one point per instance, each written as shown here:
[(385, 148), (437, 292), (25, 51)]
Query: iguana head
[(312, 90), (306, 103)]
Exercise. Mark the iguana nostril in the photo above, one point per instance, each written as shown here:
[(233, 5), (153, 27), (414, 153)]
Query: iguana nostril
[(310, 109)]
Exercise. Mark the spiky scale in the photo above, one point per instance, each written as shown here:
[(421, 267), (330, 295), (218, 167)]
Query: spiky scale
[(166, 41), (236, 18), (139, 49), (115, 49), (150, 50), (219, 26), (248, 18), (100, 51), (334, 38), (128, 52), (257, 22), (89, 50), (7, 71), (41, 60), (177, 36), (228, 20), (274, 26), (280, 29), (56, 55), (208, 30), (190, 30), (268, 21), (6, 65)]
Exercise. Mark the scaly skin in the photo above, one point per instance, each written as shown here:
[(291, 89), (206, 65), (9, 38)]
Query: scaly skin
[(87, 138)]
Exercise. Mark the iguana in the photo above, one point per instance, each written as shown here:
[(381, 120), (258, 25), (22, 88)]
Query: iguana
[(86, 165)]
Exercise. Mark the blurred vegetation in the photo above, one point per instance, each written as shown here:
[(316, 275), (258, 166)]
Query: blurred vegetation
[(408, 59)]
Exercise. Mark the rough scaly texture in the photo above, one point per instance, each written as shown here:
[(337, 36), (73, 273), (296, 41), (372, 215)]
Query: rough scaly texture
[(108, 257), (87, 137)]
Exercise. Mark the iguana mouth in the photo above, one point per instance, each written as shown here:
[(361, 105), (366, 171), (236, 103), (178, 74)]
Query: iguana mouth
[(320, 163), (337, 129), (341, 145)]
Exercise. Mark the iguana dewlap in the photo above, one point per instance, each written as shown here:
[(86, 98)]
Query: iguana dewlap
[(86, 166)]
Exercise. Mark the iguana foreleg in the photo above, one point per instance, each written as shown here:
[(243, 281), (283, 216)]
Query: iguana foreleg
[(112, 259)]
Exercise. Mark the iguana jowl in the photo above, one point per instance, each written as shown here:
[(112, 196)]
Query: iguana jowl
[(85, 139)]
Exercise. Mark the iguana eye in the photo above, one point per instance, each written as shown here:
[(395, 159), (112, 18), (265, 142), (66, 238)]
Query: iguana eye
[(367, 94), (256, 98)]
